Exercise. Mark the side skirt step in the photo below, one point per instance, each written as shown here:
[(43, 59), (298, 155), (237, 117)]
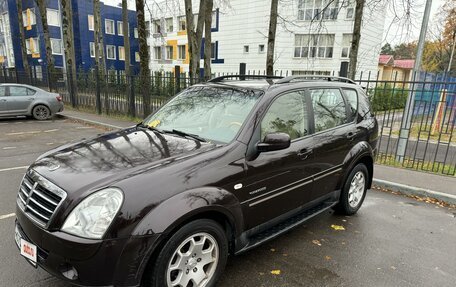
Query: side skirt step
[(285, 226)]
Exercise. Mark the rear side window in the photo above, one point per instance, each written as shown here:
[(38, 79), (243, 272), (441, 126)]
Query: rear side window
[(2, 91), (329, 108), (18, 91), (287, 114), (30, 92), (352, 98)]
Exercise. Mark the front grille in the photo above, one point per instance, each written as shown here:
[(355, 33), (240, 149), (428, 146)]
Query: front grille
[(39, 198)]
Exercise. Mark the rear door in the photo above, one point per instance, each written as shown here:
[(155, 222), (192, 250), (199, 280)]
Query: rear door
[(20, 99), (334, 133), (3, 100)]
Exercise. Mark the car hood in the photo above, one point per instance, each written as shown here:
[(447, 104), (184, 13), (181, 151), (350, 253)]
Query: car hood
[(103, 160)]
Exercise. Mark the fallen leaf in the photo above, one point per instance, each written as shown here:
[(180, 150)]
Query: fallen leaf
[(275, 272), (285, 254), (328, 257), (393, 267), (337, 227), (261, 273), (272, 250), (316, 242), (344, 220)]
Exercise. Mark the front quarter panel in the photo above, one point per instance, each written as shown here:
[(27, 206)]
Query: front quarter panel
[(183, 206)]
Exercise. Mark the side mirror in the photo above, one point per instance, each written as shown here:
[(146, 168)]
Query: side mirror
[(274, 141)]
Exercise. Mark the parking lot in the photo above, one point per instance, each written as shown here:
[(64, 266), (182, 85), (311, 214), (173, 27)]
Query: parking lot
[(392, 241)]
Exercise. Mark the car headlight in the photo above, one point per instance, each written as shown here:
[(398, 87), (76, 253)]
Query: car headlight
[(92, 217)]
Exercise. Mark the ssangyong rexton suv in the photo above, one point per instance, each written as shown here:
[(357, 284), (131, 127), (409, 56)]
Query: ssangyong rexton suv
[(221, 168)]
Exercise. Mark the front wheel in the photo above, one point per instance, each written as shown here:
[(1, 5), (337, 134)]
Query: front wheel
[(353, 191), (194, 256)]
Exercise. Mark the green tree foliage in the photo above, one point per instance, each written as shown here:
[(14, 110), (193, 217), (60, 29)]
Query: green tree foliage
[(387, 49), (385, 97)]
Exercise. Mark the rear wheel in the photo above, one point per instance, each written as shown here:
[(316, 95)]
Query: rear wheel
[(41, 112), (194, 256), (354, 190)]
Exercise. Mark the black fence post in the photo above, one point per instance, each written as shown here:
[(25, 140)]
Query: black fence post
[(343, 69), (242, 69), (97, 90), (177, 76), (132, 96)]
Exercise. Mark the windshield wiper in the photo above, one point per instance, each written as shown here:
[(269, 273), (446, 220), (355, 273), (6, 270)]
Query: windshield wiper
[(184, 134)]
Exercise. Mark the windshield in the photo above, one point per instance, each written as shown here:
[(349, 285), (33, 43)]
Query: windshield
[(213, 113)]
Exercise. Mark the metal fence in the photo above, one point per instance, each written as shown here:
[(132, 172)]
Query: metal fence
[(431, 144)]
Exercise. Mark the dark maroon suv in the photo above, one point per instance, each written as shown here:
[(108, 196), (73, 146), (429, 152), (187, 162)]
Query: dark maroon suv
[(221, 168)]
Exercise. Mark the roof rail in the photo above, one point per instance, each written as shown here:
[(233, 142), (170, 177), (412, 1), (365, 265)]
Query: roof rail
[(312, 77), (242, 77)]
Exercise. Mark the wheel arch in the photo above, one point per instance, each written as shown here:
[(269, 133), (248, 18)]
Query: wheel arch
[(360, 153)]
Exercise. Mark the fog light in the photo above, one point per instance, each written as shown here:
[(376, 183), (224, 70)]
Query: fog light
[(69, 271)]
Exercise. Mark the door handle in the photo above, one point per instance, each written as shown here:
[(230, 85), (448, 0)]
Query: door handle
[(350, 136), (304, 153)]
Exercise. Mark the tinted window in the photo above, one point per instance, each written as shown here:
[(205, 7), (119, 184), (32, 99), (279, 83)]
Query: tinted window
[(352, 98), (18, 91), (329, 108), (2, 91), (287, 114)]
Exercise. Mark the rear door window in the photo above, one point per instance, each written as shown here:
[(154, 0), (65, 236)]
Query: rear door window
[(329, 108), (2, 91), (18, 91)]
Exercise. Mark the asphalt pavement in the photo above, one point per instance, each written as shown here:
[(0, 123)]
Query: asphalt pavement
[(392, 241)]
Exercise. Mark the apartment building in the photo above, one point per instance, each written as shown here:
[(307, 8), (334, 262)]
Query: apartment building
[(313, 36), (83, 26)]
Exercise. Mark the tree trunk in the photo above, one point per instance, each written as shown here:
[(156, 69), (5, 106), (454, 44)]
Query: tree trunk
[(208, 40), (194, 37), (98, 39), (356, 38), (144, 57), (47, 41), (25, 62), (126, 37), (68, 40), (271, 38)]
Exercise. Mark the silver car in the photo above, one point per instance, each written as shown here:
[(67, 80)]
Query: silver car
[(25, 100)]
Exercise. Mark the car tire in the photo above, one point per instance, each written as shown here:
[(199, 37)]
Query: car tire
[(353, 191), (41, 112), (185, 256)]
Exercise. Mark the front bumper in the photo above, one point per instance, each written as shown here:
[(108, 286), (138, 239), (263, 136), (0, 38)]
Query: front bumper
[(113, 262)]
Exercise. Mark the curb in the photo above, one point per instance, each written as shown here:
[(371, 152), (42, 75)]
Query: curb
[(411, 190), (96, 123), (402, 188)]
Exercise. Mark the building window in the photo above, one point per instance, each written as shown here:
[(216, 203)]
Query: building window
[(135, 33), (92, 49), (169, 25), (157, 53), (314, 45), (182, 23), (91, 22), (346, 45), (56, 45), (53, 17), (157, 26), (147, 29), (350, 13), (169, 52), (121, 53), (111, 52), (181, 52), (120, 28), (317, 9), (213, 52), (214, 20), (246, 48), (137, 58), (32, 45), (261, 48), (29, 17), (109, 27)]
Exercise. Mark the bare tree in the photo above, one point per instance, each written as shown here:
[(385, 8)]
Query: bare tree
[(208, 39), (356, 38), (126, 38), (47, 40), (143, 56), (68, 43), (271, 38), (194, 36), (98, 39), (25, 62)]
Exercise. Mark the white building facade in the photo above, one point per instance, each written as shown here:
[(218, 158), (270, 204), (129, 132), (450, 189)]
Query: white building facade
[(313, 36)]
